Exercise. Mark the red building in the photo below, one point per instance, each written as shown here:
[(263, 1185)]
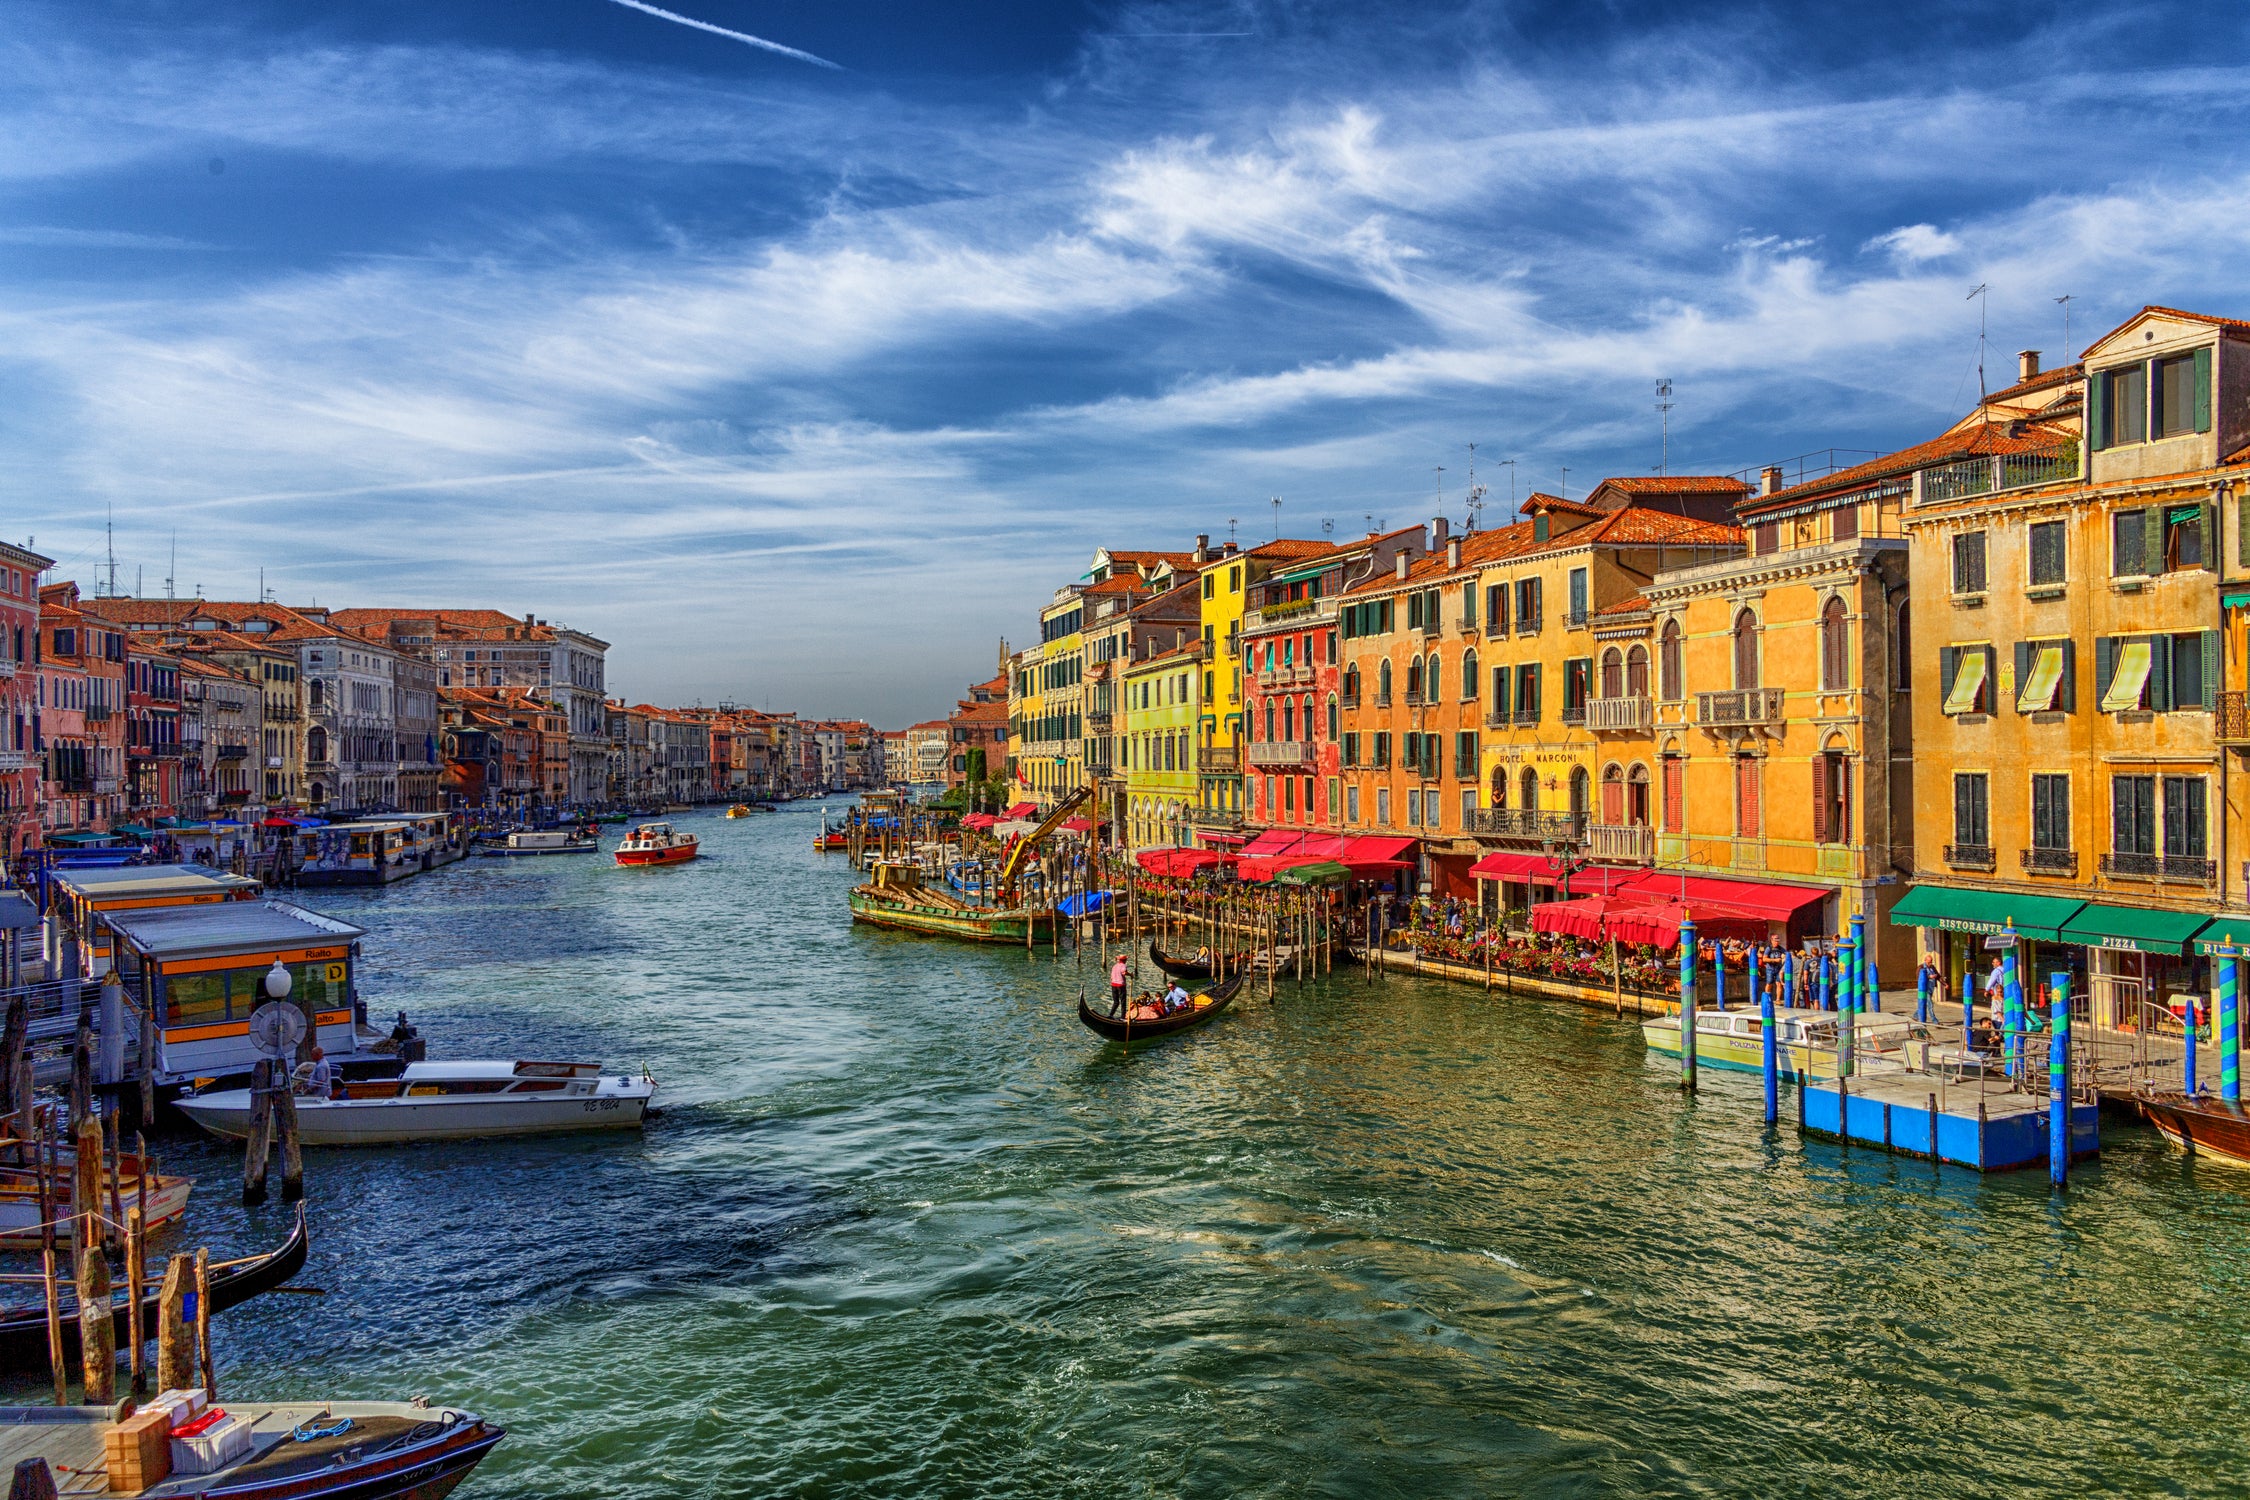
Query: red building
[(152, 733), (20, 747)]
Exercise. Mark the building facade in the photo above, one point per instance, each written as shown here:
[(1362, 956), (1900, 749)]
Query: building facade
[(22, 760)]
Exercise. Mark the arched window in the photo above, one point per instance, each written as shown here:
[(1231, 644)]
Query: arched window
[(1470, 681), (316, 742), (1613, 794), (1636, 672), (1335, 722), (1432, 678), (1902, 657), (1745, 650), (1269, 718), (1529, 781), (1613, 673), (1668, 672), (1636, 795), (1499, 786), (1581, 791), (1835, 637), (1413, 679), (1351, 684), (1288, 721), (1383, 683)]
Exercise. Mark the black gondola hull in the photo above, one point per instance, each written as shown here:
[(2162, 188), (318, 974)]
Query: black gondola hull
[(1190, 968), (1135, 1032)]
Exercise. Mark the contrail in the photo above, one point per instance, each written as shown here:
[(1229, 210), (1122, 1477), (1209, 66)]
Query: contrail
[(740, 36)]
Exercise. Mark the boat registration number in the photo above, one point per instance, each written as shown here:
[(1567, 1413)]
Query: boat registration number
[(599, 1104)]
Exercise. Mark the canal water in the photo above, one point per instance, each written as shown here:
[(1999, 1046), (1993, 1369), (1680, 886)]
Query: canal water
[(906, 1229)]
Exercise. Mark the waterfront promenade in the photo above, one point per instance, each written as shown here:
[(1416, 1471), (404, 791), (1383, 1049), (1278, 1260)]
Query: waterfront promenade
[(906, 1229)]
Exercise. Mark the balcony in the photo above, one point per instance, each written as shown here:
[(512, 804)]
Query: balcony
[(1527, 625), (2182, 869), (1529, 823), (1740, 708), (1622, 843), (1971, 857), (2230, 723), (1097, 720), (14, 760), (1277, 755), (1574, 714), (1413, 697), (98, 713), (1620, 715), (155, 752), (234, 752), (1431, 625), (1496, 630), (1576, 619), (1214, 817), (1382, 700), (2050, 861), (1497, 719), (7, 667), (1349, 700), (1218, 760), (1990, 474), (1527, 718)]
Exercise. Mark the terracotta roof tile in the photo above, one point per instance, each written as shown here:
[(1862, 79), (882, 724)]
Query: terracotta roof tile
[(1965, 442)]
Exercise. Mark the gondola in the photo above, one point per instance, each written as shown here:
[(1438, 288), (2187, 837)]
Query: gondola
[(1191, 968), (23, 1331), (1209, 1003)]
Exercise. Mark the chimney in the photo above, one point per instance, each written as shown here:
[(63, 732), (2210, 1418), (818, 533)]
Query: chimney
[(1437, 532), (1769, 480), (1202, 548), (1404, 557), (2027, 364), (1453, 554), (1231, 550)]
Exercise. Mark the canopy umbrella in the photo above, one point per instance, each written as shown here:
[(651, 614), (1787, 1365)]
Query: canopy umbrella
[(1314, 872), (980, 820), (1022, 810)]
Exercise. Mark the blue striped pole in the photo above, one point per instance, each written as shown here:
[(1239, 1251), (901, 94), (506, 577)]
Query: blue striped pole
[(1824, 982), (1687, 1004), (2189, 1083), (2011, 991), (1788, 976), (1968, 1000), (1718, 976), (1847, 971), (2228, 961), (1922, 995), (2058, 1081), (1771, 1057), (1862, 1000)]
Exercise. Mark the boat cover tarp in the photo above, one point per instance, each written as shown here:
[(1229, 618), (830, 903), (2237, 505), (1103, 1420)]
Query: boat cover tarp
[(1084, 903)]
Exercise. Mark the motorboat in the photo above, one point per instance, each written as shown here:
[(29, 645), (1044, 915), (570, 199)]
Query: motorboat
[(161, 1199), (445, 1101), (656, 844), (739, 810), (587, 840), (1806, 1041)]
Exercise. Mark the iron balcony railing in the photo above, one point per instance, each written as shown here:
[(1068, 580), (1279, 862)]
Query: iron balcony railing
[(1574, 713), (1743, 707), (2186, 869), (1281, 754), (1430, 625), (1619, 715), (1624, 843), (1222, 760), (234, 752), (1576, 619), (1383, 700), (2230, 722), (1214, 817), (1999, 471), (2050, 861), (1529, 823), (1527, 624), (1497, 719), (1970, 856), (1495, 629), (1527, 718), (1349, 700)]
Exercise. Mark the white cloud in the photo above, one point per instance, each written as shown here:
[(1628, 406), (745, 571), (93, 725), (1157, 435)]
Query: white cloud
[(1911, 244)]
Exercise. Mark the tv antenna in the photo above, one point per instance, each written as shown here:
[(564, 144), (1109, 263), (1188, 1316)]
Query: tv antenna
[(1510, 465), (1327, 525), (1277, 518), (1475, 500), (172, 569), (108, 589), (1566, 481), (1664, 415), (1978, 297), (2064, 302), (1230, 534)]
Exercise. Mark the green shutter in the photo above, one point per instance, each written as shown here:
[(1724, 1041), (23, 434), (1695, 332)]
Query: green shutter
[(2097, 412), (2210, 669), (1948, 658), (2203, 390), (2159, 672), (2024, 653), (2105, 665), (2209, 521), (2066, 691)]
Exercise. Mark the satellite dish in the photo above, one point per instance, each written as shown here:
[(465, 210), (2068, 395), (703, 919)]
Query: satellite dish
[(275, 1030)]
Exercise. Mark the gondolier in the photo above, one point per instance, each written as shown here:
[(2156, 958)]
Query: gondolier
[(1117, 979)]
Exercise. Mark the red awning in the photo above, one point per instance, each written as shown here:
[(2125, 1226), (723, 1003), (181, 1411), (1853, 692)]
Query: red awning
[(1374, 849), (1505, 865), (1180, 861), (1273, 841), (1076, 825), (1757, 900), (1598, 880), (1022, 810), (1619, 916), (980, 820), (1224, 838)]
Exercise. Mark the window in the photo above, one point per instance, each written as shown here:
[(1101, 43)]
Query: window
[(1383, 684), (1528, 783), (1965, 677), (1767, 537), (2050, 553), (1210, 585), (1527, 692), (1468, 606), (1414, 679), (1471, 679), (2050, 812), (2163, 673), (1968, 563), (1468, 806), (1577, 687), (1578, 599), (1745, 650), (1972, 810), (2175, 406), (1432, 677), (2187, 670), (2128, 544), (1350, 753), (1496, 604), (1832, 800), (1668, 662), (2185, 817), (1288, 721), (2044, 677), (1499, 693), (1383, 806), (2132, 814), (1234, 579), (1581, 792), (2184, 545), (1675, 793), (1613, 794), (1835, 647), (1527, 606), (1636, 672), (1414, 809), (2121, 406), (1465, 755), (1843, 523), (1382, 749), (1613, 673), (1335, 719), (1499, 787), (1351, 684), (1351, 804)]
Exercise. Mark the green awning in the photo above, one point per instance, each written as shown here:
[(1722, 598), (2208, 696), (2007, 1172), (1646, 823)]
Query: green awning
[(1320, 872), (1961, 909), (76, 840), (1304, 572), (2136, 929), (133, 830), (2231, 927), (2234, 598)]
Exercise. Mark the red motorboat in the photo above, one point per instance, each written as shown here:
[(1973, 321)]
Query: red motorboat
[(656, 844)]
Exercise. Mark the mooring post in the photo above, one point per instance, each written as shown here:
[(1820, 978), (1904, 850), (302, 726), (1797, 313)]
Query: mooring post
[(1771, 1050), (1825, 982), (1968, 1002), (1866, 996), (2190, 1084), (1687, 1003), (2015, 1016), (1788, 977), (2227, 960), (2058, 1079), (1922, 995)]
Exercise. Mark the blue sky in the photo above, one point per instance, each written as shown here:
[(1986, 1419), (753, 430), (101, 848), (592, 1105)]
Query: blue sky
[(806, 384)]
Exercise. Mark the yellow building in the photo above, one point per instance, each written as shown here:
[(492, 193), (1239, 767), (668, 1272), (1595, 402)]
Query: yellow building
[(1161, 698), (2072, 651)]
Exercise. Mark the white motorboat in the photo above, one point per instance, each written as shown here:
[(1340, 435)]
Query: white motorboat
[(544, 841), (445, 1101)]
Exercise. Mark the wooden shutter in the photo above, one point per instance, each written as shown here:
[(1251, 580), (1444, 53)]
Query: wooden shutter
[(2066, 691), (2210, 697), (1746, 790), (2159, 671), (1949, 661), (2203, 390), (1991, 679), (1613, 801), (2097, 413), (1820, 799), (1675, 792), (2025, 652), (1500, 692), (2105, 665)]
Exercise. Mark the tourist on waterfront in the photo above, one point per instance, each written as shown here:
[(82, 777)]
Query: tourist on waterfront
[(1117, 973)]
